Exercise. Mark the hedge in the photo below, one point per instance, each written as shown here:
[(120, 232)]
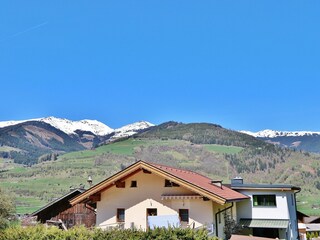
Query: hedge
[(41, 232)]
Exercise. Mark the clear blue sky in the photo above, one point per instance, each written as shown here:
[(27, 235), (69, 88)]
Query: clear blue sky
[(242, 64)]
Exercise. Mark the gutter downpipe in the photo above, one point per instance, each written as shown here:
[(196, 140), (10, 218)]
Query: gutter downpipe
[(295, 205), (216, 217)]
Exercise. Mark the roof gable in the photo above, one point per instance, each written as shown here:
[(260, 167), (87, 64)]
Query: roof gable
[(64, 198), (195, 182)]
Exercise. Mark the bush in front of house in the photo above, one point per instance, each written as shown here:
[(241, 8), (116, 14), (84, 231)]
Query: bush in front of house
[(41, 232)]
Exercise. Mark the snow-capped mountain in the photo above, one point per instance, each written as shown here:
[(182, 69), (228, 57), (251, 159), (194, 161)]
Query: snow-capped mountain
[(68, 126), (131, 129), (301, 140), (44, 136), (98, 128), (273, 134)]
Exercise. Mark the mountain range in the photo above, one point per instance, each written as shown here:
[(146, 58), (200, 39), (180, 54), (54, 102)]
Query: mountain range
[(27, 141), (300, 140), (33, 140), (60, 153)]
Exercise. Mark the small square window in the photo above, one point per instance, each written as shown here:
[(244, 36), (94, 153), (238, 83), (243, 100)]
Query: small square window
[(133, 184)]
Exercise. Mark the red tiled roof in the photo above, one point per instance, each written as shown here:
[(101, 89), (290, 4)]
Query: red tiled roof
[(195, 182), (203, 182)]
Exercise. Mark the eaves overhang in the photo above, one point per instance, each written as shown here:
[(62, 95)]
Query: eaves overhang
[(141, 165)]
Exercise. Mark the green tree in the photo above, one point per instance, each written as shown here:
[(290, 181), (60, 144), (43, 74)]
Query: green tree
[(7, 209), (231, 226)]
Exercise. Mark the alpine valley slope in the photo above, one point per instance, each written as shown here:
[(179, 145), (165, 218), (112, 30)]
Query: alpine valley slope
[(34, 140), (205, 148)]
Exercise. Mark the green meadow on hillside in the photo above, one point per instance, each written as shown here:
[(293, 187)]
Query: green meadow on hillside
[(222, 148), (35, 186)]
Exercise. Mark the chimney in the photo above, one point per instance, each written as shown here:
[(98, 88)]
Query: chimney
[(90, 181), (237, 181), (218, 183)]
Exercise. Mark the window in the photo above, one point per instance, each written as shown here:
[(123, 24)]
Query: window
[(152, 212), (168, 183), (120, 184), (133, 184), (184, 215), (175, 184), (120, 215), (264, 200), (266, 232)]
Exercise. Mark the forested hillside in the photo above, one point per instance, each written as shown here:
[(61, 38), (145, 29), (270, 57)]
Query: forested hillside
[(26, 142), (200, 133)]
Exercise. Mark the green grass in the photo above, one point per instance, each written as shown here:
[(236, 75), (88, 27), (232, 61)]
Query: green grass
[(9, 149), (123, 148), (28, 204), (8, 164), (309, 205), (19, 169), (35, 186), (222, 148)]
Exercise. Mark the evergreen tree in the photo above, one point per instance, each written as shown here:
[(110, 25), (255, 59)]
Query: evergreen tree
[(7, 209)]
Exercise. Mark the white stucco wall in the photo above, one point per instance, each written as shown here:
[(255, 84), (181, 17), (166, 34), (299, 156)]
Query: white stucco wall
[(285, 209), (148, 193), (245, 209)]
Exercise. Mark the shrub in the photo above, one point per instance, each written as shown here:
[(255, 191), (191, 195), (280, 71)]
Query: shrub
[(40, 232), (7, 209)]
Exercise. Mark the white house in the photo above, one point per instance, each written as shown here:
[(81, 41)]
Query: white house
[(270, 211), (145, 195)]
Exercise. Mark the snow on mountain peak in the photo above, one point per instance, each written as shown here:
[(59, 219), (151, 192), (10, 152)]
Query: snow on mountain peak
[(70, 127), (135, 126), (131, 129), (267, 133), (94, 126)]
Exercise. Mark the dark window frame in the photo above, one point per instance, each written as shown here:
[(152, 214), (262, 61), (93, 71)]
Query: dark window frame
[(134, 184), (264, 200), (168, 183), (121, 214), (184, 215)]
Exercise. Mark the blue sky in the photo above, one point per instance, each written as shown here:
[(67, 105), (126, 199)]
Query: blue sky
[(241, 64)]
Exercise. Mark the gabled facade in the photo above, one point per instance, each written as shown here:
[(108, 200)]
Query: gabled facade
[(145, 195), (270, 210)]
